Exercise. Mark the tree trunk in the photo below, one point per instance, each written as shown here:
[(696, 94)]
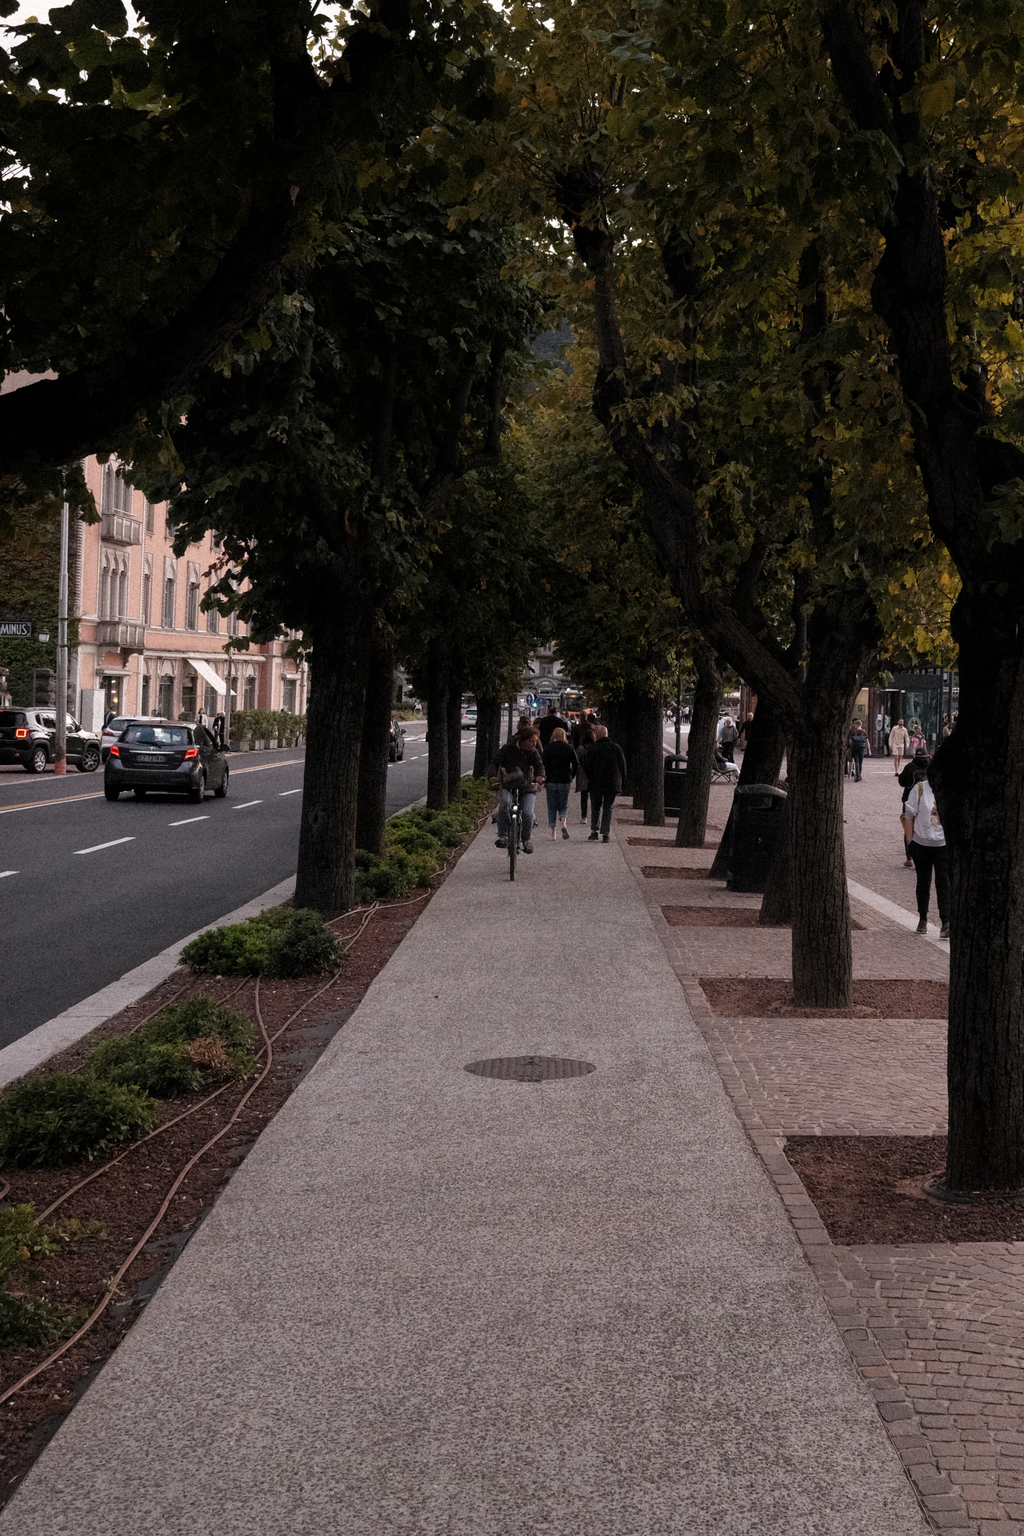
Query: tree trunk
[(488, 733), (334, 729), (978, 782), (652, 754), (822, 949), (621, 716), (438, 665), (762, 764), (371, 813), (707, 698), (454, 740)]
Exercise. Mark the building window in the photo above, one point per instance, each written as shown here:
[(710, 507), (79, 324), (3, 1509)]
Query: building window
[(232, 623), (144, 706), (249, 693), (188, 697), (165, 696), (212, 621), (122, 593), (147, 599), (150, 519), (288, 695), (211, 700), (192, 606), (168, 612), (117, 493)]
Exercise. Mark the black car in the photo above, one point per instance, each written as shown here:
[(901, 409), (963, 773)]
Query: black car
[(175, 759), (396, 742), (29, 736)]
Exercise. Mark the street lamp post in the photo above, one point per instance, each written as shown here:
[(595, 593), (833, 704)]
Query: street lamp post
[(60, 753)]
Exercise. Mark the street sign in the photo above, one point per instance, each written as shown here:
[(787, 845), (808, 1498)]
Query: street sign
[(19, 628)]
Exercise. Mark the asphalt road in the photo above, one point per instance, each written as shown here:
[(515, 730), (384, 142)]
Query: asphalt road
[(89, 890)]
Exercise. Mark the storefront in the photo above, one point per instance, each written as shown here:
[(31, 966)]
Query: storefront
[(924, 700)]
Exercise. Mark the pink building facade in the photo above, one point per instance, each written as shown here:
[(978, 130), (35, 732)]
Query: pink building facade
[(144, 641)]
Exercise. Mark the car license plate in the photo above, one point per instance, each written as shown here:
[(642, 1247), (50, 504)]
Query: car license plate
[(153, 757)]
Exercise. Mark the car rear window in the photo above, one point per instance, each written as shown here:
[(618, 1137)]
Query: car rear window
[(116, 726), (11, 717), (157, 735)]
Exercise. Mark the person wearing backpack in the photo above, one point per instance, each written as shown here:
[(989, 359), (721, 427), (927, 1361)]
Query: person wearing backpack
[(916, 769), (928, 851)]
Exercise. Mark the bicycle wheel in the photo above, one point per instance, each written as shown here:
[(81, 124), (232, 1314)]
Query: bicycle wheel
[(513, 841)]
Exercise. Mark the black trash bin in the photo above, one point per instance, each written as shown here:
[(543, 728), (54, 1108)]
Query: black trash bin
[(675, 773), (759, 823)]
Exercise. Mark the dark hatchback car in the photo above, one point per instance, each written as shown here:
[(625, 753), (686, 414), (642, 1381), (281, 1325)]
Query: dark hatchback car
[(29, 737), (173, 759)]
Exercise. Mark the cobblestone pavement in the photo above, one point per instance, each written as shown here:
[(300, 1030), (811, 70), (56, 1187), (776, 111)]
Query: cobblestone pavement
[(936, 1331)]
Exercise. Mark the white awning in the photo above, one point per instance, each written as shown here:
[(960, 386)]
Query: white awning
[(205, 670)]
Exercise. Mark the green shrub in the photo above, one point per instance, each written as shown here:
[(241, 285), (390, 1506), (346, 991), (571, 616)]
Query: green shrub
[(184, 1048), (24, 1320), (285, 941), (417, 844), (48, 1121)]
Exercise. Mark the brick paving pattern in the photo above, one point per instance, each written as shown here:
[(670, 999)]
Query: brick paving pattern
[(936, 1331)]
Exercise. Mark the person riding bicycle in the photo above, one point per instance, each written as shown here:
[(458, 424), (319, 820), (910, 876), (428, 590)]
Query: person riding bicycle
[(520, 766)]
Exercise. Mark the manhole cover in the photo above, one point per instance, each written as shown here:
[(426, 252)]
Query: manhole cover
[(530, 1069)]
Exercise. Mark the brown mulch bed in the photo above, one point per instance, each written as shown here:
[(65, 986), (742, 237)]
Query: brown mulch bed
[(663, 842), (671, 872), (764, 997), (128, 1197), (867, 1189), (711, 917)]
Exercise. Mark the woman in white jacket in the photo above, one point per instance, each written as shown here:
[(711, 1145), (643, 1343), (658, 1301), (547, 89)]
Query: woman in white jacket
[(928, 851)]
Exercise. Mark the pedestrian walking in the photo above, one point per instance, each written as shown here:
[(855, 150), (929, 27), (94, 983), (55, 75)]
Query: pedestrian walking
[(560, 768), (743, 738), (582, 744), (727, 738), (550, 723), (606, 774), (918, 740), (899, 744), (928, 850), (914, 771), (858, 744)]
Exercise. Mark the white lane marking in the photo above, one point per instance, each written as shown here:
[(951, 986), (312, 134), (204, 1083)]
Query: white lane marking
[(188, 821), (246, 804), (417, 757), (282, 792), (96, 847), (5, 872)]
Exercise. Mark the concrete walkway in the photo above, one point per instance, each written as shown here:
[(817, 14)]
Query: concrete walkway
[(438, 1304)]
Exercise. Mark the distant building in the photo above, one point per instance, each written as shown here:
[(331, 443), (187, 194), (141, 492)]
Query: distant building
[(143, 640)]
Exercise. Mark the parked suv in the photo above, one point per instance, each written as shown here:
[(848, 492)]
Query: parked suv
[(29, 737), (396, 742)]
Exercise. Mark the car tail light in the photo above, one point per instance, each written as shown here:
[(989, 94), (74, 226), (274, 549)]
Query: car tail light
[(191, 752), (114, 751), (21, 734)]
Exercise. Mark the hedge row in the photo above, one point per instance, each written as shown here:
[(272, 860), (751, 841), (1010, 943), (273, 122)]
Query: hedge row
[(266, 725), (417, 843)]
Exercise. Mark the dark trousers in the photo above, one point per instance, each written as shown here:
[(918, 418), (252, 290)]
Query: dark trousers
[(927, 858), (858, 762), (583, 804), (601, 802)]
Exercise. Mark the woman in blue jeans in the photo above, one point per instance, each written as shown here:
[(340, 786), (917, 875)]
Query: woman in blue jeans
[(561, 766)]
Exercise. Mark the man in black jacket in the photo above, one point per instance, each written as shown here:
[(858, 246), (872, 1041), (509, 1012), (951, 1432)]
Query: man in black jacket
[(606, 774), (551, 722)]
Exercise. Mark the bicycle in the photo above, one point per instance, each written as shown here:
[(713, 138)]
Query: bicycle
[(515, 830)]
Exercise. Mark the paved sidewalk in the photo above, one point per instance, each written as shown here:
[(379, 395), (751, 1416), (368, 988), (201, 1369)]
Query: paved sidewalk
[(438, 1304), (937, 1330)]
